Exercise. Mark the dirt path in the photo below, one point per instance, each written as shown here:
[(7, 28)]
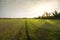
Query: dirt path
[(27, 31)]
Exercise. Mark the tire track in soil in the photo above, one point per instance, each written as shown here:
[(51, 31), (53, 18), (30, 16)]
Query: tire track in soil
[(25, 28), (27, 31)]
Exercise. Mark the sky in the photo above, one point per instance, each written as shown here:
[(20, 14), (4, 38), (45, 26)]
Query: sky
[(27, 8)]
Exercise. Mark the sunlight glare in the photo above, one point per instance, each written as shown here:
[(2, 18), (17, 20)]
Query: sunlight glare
[(45, 7)]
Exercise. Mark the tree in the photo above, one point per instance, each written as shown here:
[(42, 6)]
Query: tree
[(56, 14)]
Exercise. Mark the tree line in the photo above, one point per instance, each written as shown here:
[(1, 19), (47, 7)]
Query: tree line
[(53, 15)]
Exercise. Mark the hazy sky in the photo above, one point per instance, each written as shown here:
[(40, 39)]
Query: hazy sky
[(27, 8)]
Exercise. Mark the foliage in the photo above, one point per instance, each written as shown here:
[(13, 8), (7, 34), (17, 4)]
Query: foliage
[(55, 15)]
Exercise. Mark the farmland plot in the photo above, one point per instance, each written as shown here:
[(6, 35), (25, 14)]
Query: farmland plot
[(12, 29), (29, 29), (44, 29)]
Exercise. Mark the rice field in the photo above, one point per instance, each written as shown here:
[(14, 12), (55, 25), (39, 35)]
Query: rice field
[(29, 29)]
